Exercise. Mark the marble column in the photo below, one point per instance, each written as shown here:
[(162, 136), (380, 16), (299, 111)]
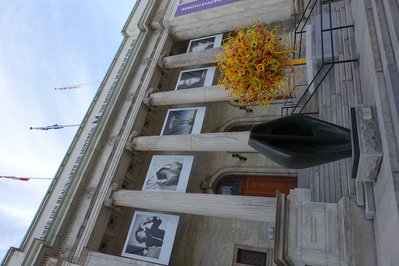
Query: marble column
[(226, 206), (207, 56), (187, 96), (226, 141)]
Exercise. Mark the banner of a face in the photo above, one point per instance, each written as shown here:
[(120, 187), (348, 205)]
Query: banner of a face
[(168, 173), (151, 236)]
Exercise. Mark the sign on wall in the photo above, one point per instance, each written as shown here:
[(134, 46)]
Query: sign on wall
[(204, 43), (199, 5), (151, 236), (183, 121), (168, 173), (195, 78)]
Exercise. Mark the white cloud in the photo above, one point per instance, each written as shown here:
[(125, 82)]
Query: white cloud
[(20, 215)]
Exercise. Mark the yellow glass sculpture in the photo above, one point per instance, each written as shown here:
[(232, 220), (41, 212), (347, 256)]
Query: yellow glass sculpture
[(254, 65)]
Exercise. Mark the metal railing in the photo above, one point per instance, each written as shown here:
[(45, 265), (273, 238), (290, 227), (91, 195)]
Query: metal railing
[(317, 9)]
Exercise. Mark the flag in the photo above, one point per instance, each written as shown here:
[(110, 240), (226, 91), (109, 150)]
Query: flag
[(55, 126), (15, 178), (74, 87), (67, 88)]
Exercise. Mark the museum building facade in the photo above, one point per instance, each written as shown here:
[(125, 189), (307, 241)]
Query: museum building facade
[(160, 171)]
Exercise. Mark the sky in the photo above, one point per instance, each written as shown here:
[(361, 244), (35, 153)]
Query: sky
[(45, 45)]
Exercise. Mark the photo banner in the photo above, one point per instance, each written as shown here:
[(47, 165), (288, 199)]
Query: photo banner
[(195, 78), (199, 5), (151, 236), (168, 173), (183, 121), (201, 44)]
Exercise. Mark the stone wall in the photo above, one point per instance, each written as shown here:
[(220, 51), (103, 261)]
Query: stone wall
[(376, 43)]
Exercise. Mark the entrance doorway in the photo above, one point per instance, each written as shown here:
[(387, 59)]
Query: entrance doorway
[(264, 186)]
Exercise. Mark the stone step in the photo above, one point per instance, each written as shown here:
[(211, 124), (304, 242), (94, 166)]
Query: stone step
[(337, 93), (369, 200), (303, 179), (359, 185), (356, 235)]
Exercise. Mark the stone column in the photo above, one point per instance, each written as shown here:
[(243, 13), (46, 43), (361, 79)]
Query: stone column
[(207, 56), (230, 17), (226, 141), (236, 207), (195, 95)]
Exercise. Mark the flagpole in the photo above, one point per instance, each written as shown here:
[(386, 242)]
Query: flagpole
[(73, 125)]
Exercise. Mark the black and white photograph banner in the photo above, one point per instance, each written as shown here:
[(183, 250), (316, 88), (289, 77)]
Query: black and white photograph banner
[(204, 43), (168, 173), (183, 121), (151, 236), (195, 78)]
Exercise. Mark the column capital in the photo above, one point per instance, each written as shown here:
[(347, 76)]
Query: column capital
[(172, 31), (161, 60), (129, 142), (147, 97), (108, 199)]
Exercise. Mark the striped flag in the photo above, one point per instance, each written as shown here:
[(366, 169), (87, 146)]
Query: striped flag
[(15, 178)]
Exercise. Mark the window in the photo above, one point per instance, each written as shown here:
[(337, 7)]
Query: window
[(250, 257), (230, 186), (254, 256)]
